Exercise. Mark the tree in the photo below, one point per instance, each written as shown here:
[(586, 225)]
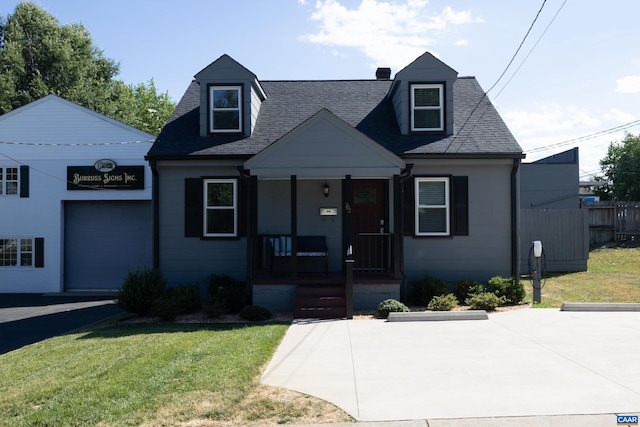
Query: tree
[(621, 170), (38, 57)]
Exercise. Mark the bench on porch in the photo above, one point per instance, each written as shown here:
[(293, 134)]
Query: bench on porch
[(308, 246)]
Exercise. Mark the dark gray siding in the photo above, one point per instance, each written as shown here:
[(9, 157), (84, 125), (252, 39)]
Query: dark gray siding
[(486, 251), (549, 186), (183, 259)]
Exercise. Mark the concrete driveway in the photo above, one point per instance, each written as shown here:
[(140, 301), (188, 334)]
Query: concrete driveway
[(530, 362), (28, 318)]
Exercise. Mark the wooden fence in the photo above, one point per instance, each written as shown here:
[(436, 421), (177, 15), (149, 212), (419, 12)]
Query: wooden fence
[(613, 221)]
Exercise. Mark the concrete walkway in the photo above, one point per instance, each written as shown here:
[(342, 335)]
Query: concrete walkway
[(533, 363)]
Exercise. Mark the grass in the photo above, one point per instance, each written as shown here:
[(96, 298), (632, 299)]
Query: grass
[(613, 275), (163, 374)]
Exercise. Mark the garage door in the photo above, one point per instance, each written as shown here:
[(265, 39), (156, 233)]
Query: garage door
[(103, 241)]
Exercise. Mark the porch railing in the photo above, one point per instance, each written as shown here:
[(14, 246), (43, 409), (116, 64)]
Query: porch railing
[(372, 252)]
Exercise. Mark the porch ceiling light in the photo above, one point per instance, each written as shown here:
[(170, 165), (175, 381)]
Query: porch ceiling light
[(325, 189)]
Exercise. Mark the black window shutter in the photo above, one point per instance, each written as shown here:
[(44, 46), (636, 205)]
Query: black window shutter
[(460, 192), (243, 197), (409, 208), (193, 199), (24, 181), (39, 252)]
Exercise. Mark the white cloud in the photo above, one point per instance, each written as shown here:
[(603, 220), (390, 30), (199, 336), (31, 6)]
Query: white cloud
[(462, 42), (546, 125), (390, 33), (628, 84), (549, 119)]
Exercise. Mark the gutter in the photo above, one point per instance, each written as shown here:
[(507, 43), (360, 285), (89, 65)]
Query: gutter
[(155, 193)]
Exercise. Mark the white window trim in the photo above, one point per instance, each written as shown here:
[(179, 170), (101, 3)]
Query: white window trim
[(4, 181), (439, 86), (446, 206), (212, 109), (19, 252), (234, 207)]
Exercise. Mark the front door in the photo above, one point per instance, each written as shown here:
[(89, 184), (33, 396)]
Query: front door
[(369, 225)]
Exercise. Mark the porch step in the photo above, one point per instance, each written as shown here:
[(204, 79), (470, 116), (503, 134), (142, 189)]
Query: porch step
[(320, 302)]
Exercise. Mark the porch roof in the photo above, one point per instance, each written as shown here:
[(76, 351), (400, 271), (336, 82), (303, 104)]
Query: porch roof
[(324, 146)]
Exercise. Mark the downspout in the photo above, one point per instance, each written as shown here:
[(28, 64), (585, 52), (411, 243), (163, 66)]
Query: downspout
[(515, 221), (155, 197), (404, 175)]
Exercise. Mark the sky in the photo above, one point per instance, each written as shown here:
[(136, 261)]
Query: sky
[(574, 80)]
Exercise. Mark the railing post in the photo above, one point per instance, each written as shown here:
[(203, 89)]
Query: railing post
[(349, 261)]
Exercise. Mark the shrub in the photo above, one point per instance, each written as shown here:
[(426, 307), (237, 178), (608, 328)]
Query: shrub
[(140, 290), (177, 300), (226, 294), (484, 301), (391, 305), (427, 288), (255, 313), (510, 290), (465, 288), (443, 303)]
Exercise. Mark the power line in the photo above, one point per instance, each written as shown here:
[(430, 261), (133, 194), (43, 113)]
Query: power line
[(484, 95), (89, 144), (586, 137)]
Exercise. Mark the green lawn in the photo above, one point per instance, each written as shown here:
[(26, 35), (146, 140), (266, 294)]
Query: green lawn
[(613, 275), (132, 374)]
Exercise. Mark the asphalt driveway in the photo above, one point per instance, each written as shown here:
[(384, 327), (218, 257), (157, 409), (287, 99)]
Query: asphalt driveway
[(530, 362), (28, 318)]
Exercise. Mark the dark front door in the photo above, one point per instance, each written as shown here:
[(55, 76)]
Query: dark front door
[(369, 226)]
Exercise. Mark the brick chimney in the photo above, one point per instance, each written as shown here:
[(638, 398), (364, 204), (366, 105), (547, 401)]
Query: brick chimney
[(383, 73)]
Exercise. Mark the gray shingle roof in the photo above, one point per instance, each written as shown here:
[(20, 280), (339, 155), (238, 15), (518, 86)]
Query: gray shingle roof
[(361, 103)]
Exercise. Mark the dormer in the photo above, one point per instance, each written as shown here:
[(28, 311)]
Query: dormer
[(230, 98), (422, 96)]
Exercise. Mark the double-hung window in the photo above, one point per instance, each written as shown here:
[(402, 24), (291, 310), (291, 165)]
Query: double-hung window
[(220, 208), (226, 109), (16, 253), (427, 107), (432, 206), (8, 181)]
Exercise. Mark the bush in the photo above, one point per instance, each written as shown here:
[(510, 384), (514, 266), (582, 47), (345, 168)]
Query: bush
[(255, 313), (509, 289), (177, 300), (391, 305), (484, 301), (427, 288), (443, 303), (225, 294), (465, 288), (140, 291)]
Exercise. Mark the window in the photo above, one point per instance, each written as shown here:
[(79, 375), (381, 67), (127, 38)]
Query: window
[(226, 111), (16, 253), (220, 208), (8, 181), (432, 206), (427, 107)]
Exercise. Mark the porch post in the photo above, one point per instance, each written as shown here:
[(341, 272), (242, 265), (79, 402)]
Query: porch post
[(347, 192), (294, 226), (398, 227)]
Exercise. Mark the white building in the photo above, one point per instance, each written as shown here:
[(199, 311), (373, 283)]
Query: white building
[(75, 199)]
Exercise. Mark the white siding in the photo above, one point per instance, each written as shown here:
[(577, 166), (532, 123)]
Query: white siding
[(28, 136)]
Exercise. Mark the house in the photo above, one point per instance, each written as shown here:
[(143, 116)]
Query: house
[(75, 199), (285, 184)]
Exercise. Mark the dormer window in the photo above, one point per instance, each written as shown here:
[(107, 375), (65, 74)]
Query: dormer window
[(226, 109), (427, 107)]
